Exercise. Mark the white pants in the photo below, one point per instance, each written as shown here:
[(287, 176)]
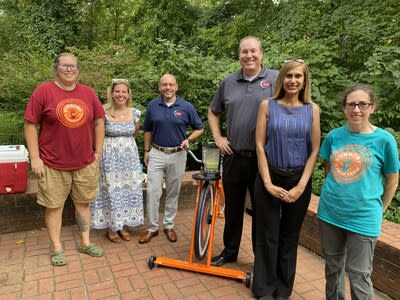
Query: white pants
[(173, 167)]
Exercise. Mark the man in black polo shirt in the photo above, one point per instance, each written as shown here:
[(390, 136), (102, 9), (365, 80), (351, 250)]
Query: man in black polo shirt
[(239, 96), (165, 124)]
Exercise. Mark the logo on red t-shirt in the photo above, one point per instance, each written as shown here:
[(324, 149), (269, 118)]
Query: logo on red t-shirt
[(349, 163), (72, 112)]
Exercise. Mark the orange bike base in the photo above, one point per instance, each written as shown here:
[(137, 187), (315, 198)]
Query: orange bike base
[(199, 267)]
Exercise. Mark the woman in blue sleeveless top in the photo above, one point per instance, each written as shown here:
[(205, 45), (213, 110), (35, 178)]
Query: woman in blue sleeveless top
[(287, 141)]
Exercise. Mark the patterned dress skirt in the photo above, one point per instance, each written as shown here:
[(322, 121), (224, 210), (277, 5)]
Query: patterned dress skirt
[(120, 198)]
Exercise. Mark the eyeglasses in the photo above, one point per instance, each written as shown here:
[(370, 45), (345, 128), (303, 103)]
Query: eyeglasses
[(118, 81), (361, 105), (65, 67), (299, 60)]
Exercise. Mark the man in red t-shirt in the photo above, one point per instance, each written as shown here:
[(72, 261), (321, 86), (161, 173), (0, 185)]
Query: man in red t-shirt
[(65, 153)]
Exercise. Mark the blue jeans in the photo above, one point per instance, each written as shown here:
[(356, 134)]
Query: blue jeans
[(346, 250)]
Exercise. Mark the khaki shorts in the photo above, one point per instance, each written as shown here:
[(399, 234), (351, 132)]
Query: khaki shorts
[(81, 185)]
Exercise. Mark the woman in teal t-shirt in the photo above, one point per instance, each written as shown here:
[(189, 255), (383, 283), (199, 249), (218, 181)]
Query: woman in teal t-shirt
[(362, 166)]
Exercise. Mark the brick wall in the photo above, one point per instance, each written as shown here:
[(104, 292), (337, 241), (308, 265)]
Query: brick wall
[(19, 212), (387, 252)]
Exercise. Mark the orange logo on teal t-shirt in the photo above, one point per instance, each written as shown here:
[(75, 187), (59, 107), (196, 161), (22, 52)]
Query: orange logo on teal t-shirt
[(349, 163)]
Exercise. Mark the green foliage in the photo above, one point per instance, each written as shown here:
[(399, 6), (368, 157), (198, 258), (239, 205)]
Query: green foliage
[(19, 75), (198, 76), (325, 75), (106, 21), (223, 25), (162, 19), (43, 25), (11, 125), (318, 177), (344, 42), (393, 212), (383, 74)]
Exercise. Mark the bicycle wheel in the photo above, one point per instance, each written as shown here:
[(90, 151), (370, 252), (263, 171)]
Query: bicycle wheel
[(203, 220)]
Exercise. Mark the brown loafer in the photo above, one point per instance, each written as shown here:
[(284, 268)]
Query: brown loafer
[(113, 237), (171, 235), (145, 238)]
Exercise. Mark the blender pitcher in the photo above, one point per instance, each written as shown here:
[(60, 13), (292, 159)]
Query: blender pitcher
[(211, 158)]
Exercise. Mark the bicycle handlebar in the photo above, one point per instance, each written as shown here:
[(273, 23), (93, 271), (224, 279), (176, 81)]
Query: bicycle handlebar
[(194, 156)]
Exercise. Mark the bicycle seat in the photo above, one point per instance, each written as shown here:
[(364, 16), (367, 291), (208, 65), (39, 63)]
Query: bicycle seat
[(206, 176)]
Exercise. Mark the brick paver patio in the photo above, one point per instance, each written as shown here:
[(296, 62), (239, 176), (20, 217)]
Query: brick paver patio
[(26, 273)]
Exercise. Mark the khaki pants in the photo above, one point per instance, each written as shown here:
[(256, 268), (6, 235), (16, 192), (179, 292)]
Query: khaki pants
[(172, 166)]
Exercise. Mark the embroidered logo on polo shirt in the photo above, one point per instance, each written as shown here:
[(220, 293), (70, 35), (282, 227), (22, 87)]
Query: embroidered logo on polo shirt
[(178, 113), (349, 163), (72, 112), (265, 84)]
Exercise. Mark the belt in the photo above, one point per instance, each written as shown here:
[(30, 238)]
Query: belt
[(286, 172), (245, 153), (167, 150)]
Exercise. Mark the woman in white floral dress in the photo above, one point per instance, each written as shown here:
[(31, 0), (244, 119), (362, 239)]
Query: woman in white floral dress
[(120, 199)]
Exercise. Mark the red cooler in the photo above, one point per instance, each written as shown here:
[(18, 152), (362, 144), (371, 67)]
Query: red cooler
[(13, 169)]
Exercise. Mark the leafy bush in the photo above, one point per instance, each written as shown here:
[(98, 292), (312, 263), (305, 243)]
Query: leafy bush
[(393, 212), (318, 177), (197, 41), (19, 75), (11, 125), (198, 76)]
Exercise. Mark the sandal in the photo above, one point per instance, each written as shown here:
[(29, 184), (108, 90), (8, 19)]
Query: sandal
[(92, 250), (124, 235), (58, 258), (113, 237)]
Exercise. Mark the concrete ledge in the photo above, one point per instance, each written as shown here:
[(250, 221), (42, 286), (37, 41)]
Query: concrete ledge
[(20, 212), (387, 252)]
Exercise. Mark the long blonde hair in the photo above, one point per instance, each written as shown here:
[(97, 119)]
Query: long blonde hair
[(305, 93), (110, 105)]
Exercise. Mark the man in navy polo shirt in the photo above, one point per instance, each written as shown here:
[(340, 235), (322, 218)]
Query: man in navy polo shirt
[(239, 96), (165, 138)]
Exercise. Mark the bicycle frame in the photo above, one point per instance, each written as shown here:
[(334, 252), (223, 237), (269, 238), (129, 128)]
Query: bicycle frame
[(206, 267), (216, 186)]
